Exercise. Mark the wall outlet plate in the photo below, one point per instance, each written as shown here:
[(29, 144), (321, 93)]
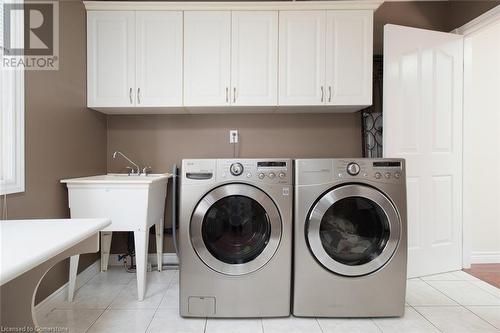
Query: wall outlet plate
[(233, 136)]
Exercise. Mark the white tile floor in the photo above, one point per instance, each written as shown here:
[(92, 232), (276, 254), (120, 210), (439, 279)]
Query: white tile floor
[(450, 302)]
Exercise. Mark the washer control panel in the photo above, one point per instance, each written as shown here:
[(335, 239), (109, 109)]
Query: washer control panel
[(383, 170), (272, 171)]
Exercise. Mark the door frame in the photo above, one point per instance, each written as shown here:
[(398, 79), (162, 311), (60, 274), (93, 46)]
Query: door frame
[(477, 24)]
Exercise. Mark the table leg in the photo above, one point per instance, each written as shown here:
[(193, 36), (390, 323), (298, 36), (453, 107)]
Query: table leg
[(106, 237), (17, 296), (73, 271), (141, 260), (159, 244)]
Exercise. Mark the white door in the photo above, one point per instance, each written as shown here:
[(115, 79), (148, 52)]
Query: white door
[(302, 57), (207, 36), (349, 53), (423, 124), (254, 58), (159, 58), (111, 58)]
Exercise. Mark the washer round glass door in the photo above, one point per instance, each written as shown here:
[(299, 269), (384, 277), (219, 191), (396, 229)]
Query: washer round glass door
[(353, 230), (235, 229)]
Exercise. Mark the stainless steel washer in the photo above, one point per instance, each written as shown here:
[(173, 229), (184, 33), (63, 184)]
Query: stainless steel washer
[(350, 238), (235, 238)]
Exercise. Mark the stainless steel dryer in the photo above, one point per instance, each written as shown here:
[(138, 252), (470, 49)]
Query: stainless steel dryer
[(350, 238), (235, 234)]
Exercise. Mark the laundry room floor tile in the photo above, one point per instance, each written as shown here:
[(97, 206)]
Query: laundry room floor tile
[(491, 314), (167, 320), (107, 303), (487, 287), (455, 319), (234, 325), (291, 325), (123, 321), (127, 299), (92, 296), (465, 292), (75, 321), (347, 325), (412, 321), (419, 292)]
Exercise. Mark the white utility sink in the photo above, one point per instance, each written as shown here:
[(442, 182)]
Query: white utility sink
[(120, 178), (132, 203)]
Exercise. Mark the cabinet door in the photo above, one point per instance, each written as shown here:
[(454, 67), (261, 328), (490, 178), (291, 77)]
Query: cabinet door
[(159, 58), (207, 58), (302, 57), (254, 58), (349, 53), (111, 59)]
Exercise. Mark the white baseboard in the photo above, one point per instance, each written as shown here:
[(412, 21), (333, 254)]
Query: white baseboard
[(168, 259), (486, 257), (43, 308)]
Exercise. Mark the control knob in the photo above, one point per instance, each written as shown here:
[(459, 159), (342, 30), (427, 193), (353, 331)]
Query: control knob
[(353, 168), (236, 169)]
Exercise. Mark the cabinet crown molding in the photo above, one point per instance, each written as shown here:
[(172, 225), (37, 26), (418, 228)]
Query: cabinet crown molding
[(240, 5)]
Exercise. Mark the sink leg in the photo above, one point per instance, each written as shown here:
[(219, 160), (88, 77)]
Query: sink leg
[(106, 237), (159, 244), (73, 270), (141, 259)]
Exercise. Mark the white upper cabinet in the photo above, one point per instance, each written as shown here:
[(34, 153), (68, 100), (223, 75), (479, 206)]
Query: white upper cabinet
[(134, 59), (349, 49), (254, 58), (273, 53), (159, 58), (207, 56), (111, 59), (302, 57)]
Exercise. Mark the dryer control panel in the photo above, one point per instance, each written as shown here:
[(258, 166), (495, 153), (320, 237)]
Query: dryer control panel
[(269, 171), (386, 170), (316, 171)]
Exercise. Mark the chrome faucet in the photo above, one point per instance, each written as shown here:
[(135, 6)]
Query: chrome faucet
[(136, 171)]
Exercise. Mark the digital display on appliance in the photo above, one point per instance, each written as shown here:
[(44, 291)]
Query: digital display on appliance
[(387, 164), (271, 164)]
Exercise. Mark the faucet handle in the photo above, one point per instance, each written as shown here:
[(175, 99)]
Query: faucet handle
[(131, 171), (146, 170)]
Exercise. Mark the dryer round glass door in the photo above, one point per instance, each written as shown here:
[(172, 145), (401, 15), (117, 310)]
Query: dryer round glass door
[(235, 229), (353, 230)]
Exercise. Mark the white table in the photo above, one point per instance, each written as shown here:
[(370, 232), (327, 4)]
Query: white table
[(29, 248)]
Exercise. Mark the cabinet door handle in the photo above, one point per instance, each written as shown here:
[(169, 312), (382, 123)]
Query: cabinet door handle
[(130, 96), (322, 93), (227, 95), (139, 95), (329, 93), (234, 94)]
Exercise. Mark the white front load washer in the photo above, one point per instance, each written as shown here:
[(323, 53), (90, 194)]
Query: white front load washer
[(235, 232), (350, 246)]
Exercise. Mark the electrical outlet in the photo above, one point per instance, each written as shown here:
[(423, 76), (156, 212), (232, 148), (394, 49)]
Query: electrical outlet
[(233, 136)]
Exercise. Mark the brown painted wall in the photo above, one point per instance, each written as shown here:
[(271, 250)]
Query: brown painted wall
[(63, 138)]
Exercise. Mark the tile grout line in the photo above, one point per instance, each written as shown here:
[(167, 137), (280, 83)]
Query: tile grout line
[(451, 298), (319, 324), (483, 319), (376, 326), (427, 319)]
